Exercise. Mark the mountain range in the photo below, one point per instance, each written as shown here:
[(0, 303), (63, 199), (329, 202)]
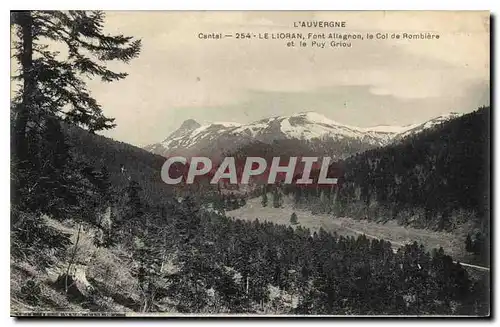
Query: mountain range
[(219, 138)]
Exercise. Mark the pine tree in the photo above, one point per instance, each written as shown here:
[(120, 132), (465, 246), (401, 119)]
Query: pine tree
[(134, 203), (188, 221), (468, 243), (52, 85), (132, 212), (478, 244), (277, 198), (293, 219), (45, 182), (149, 251), (297, 195), (243, 202), (264, 198)]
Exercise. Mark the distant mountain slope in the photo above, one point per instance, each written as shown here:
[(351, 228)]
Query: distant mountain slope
[(441, 170), (438, 178), (304, 128), (139, 165), (417, 128)]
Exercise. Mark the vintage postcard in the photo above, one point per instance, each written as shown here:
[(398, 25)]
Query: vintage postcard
[(250, 163)]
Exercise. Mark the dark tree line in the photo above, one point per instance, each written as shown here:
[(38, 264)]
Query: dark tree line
[(441, 170), (224, 265), (227, 201), (330, 274), (228, 265), (436, 179)]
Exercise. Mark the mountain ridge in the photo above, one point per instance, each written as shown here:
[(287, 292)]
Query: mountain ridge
[(194, 138)]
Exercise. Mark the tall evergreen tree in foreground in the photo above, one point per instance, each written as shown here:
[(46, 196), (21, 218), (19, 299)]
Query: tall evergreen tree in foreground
[(52, 89), (53, 84)]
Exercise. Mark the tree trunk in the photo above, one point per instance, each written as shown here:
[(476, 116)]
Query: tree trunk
[(26, 23), (73, 256)]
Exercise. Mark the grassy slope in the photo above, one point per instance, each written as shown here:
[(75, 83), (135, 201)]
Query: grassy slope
[(100, 262)]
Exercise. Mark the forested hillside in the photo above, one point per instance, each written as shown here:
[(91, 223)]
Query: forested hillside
[(123, 162), (436, 179), (442, 171), (94, 229), (181, 258)]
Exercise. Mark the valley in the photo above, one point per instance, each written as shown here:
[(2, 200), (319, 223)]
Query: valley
[(327, 219), (390, 231), (243, 266)]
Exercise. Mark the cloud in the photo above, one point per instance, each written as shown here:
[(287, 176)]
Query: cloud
[(178, 73)]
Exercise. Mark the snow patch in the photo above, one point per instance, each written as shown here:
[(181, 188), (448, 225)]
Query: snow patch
[(305, 125), (227, 124)]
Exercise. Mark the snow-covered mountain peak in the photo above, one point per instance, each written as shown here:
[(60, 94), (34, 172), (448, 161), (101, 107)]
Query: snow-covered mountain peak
[(186, 127), (313, 116), (416, 128), (306, 126), (451, 115), (387, 129), (189, 124), (226, 124)]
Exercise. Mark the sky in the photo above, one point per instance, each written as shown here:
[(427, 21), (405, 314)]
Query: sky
[(179, 76)]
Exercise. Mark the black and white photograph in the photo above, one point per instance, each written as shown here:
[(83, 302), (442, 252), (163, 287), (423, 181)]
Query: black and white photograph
[(250, 163)]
